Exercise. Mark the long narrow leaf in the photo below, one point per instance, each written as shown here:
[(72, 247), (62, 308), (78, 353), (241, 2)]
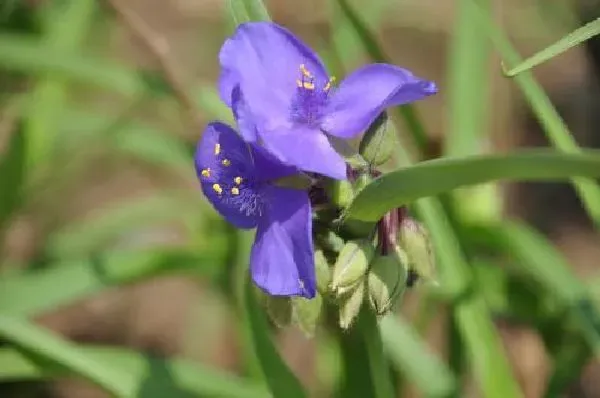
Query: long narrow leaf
[(148, 376), (63, 354), (433, 177), (569, 41)]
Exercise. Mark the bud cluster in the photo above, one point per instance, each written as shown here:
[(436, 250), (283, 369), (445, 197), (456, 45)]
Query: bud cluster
[(359, 263)]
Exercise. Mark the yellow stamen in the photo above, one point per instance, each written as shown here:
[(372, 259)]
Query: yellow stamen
[(235, 191), (226, 162), (217, 188), (238, 180), (329, 83), (305, 71), (309, 85), (299, 83), (217, 149), (206, 173)]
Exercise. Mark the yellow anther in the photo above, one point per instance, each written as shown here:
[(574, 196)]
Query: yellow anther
[(309, 85), (217, 149), (206, 173), (217, 188), (235, 191), (305, 71), (238, 180), (226, 162), (329, 83), (299, 83)]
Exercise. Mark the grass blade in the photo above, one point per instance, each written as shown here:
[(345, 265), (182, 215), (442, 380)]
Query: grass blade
[(433, 177), (34, 293), (573, 39), (256, 10), (149, 377), (66, 28), (413, 358), (12, 170), (48, 347), (27, 54), (556, 130), (281, 381)]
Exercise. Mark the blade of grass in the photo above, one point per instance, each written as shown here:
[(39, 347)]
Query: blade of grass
[(12, 170), (281, 381), (25, 53), (414, 359), (65, 31), (176, 377), (56, 351), (33, 293), (545, 264), (436, 176), (256, 10), (573, 39), (378, 365), (556, 130)]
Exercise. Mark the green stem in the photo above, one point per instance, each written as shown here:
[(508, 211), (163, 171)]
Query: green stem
[(378, 365)]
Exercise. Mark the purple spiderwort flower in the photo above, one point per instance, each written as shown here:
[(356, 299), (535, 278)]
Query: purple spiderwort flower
[(271, 77), (237, 178)]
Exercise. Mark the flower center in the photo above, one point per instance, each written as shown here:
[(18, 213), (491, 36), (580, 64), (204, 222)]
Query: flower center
[(233, 183), (310, 100)]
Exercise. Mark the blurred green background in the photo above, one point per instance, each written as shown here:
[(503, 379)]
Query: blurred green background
[(106, 239)]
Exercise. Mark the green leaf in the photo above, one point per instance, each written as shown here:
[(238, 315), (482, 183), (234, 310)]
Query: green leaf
[(556, 130), (281, 381), (256, 10), (437, 176), (26, 54), (412, 358), (545, 264), (573, 39), (12, 170), (148, 376), (47, 99), (58, 352), (33, 293), (96, 233)]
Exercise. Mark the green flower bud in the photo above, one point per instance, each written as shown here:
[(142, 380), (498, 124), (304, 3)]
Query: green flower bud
[(386, 282), (378, 143), (323, 272), (340, 192), (357, 228), (279, 310), (306, 313), (350, 305), (351, 265), (414, 240)]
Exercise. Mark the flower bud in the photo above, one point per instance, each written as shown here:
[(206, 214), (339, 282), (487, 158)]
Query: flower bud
[(386, 282), (279, 310), (306, 313), (322, 271), (378, 142), (358, 228), (350, 305), (339, 192), (414, 240), (351, 265)]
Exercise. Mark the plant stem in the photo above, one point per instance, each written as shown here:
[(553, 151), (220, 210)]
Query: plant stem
[(378, 365)]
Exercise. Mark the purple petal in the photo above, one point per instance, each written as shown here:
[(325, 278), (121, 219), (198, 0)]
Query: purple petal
[(307, 149), (367, 92), (221, 157), (282, 258), (268, 167), (264, 59), (242, 116)]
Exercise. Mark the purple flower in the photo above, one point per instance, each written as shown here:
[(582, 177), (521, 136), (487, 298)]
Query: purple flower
[(273, 79), (238, 180)]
